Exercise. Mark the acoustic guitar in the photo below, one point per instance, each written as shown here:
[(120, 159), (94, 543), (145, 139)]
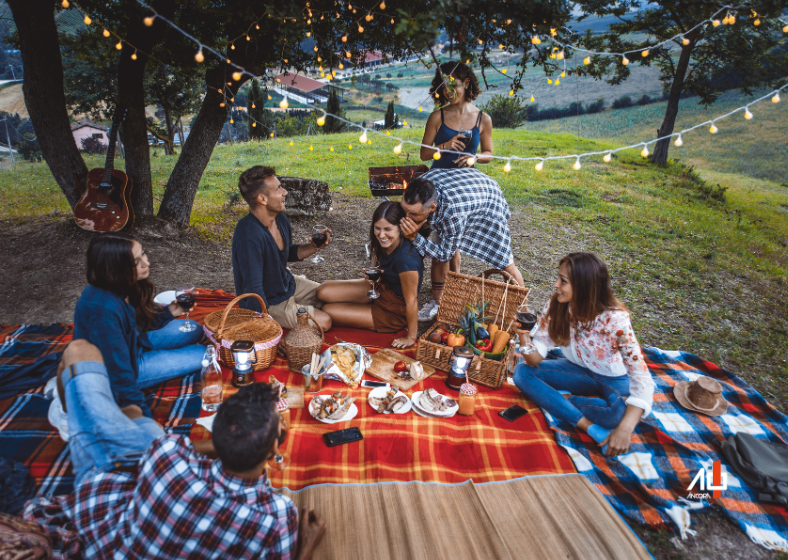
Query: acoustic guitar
[(106, 204)]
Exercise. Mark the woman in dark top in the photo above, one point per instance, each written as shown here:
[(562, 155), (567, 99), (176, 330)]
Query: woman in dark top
[(403, 272), (139, 342), (456, 86)]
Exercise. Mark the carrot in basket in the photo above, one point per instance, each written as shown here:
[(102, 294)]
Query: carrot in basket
[(500, 340)]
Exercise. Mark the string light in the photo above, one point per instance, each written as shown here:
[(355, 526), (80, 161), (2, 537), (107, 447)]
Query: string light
[(283, 104), (679, 142), (87, 20), (715, 23), (644, 54), (65, 4), (310, 147), (291, 142), (713, 129), (134, 55), (608, 157), (625, 60), (148, 21), (644, 152), (398, 148), (685, 41), (577, 165), (508, 167), (119, 46), (587, 60), (436, 156), (539, 166), (105, 33), (363, 137), (747, 114), (237, 76), (321, 121), (331, 149), (776, 98), (382, 5)]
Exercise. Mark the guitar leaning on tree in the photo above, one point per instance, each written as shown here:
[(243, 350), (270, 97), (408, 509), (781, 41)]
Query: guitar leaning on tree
[(106, 204)]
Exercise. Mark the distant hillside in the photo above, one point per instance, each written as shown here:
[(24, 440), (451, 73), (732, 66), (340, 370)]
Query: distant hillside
[(12, 101)]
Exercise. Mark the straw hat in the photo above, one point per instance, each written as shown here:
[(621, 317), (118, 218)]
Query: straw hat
[(702, 395)]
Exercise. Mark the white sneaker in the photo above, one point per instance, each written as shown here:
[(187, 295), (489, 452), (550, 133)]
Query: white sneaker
[(50, 389), (429, 311), (58, 417)]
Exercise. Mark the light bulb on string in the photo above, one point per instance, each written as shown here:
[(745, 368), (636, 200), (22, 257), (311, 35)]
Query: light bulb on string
[(731, 19), (436, 156), (283, 104), (685, 41), (119, 45), (254, 124), (398, 148), (577, 165), (713, 129), (747, 114), (237, 76), (757, 22), (331, 149), (785, 29), (644, 53), (679, 142), (716, 23), (363, 137), (87, 20), (563, 74), (624, 60), (557, 81), (539, 166), (644, 152), (350, 146), (321, 121), (311, 148), (341, 66), (560, 55), (587, 60), (134, 55), (199, 56), (608, 156), (382, 5), (232, 121), (368, 17), (221, 104), (535, 40), (532, 99), (508, 167), (776, 98), (725, 20), (65, 4), (291, 142), (344, 38), (105, 33), (232, 47), (148, 21), (360, 29)]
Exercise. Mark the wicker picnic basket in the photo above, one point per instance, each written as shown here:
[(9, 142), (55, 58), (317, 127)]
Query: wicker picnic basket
[(303, 341), (461, 289), (225, 327)]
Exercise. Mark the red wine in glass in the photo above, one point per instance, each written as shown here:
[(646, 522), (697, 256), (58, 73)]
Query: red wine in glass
[(319, 237), (527, 321), (186, 295), (373, 274), (466, 136)]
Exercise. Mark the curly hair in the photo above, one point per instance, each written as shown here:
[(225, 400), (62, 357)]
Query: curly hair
[(252, 182), (458, 71)]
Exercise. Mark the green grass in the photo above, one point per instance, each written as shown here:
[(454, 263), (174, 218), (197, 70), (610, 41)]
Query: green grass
[(756, 148)]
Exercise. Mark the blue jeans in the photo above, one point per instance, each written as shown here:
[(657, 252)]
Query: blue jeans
[(174, 354), (599, 398), (102, 437)]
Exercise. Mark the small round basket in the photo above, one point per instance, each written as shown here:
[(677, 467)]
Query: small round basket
[(225, 327)]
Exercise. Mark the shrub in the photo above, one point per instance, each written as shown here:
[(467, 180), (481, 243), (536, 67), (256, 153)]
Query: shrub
[(93, 145), (596, 107), (505, 111), (645, 100), (400, 75), (388, 74), (622, 102), (29, 148)]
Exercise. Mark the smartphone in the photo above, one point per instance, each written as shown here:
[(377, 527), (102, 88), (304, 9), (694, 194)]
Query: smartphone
[(342, 436), (513, 413), (374, 384)]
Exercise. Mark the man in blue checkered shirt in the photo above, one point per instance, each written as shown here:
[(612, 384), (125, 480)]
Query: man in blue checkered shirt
[(145, 495), (469, 214)]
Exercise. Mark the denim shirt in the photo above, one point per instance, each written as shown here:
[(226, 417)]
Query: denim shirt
[(105, 320)]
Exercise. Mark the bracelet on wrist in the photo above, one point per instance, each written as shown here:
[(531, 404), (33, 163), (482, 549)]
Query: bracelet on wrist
[(528, 348)]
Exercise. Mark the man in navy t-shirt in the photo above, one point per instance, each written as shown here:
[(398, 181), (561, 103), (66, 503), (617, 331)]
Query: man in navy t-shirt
[(262, 247)]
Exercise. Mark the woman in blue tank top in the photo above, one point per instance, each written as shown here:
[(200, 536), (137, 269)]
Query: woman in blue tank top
[(458, 126)]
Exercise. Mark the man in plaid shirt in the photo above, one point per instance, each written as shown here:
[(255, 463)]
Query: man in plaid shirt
[(142, 496), (468, 212)]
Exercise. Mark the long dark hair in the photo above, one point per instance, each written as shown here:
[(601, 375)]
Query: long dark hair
[(592, 294), (110, 266), (393, 213)]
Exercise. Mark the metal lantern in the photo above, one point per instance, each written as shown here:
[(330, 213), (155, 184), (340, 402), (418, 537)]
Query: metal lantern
[(460, 360), (244, 358)]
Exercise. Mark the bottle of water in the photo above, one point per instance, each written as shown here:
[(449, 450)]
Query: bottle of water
[(212, 386)]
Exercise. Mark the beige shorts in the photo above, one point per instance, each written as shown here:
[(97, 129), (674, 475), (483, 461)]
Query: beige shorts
[(305, 296)]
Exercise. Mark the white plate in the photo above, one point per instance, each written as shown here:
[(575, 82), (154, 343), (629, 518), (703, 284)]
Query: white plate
[(448, 413), (165, 298), (351, 413), (380, 392)]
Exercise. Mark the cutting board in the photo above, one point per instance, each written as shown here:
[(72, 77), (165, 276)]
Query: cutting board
[(295, 397), (383, 368)]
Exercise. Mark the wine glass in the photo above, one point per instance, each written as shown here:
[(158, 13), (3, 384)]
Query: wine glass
[(186, 295), (466, 136), (319, 238), (281, 458), (373, 274), (526, 317)]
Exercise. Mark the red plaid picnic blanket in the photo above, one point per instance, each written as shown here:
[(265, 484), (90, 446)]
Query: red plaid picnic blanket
[(483, 447)]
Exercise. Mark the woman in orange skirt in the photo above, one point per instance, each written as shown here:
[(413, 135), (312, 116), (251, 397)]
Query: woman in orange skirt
[(403, 271)]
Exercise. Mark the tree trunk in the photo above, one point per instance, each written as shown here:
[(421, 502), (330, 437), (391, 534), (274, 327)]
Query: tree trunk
[(45, 97), (131, 94), (176, 207), (661, 149)]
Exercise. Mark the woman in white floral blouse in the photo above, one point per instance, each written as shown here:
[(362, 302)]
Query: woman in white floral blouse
[(602, 384)]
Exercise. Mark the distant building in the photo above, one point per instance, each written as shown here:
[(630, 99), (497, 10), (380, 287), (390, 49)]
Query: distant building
[(89, 129), (305, 90)]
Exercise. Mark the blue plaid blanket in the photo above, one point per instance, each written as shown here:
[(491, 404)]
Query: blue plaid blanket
[(25, 433), (649, 484)]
